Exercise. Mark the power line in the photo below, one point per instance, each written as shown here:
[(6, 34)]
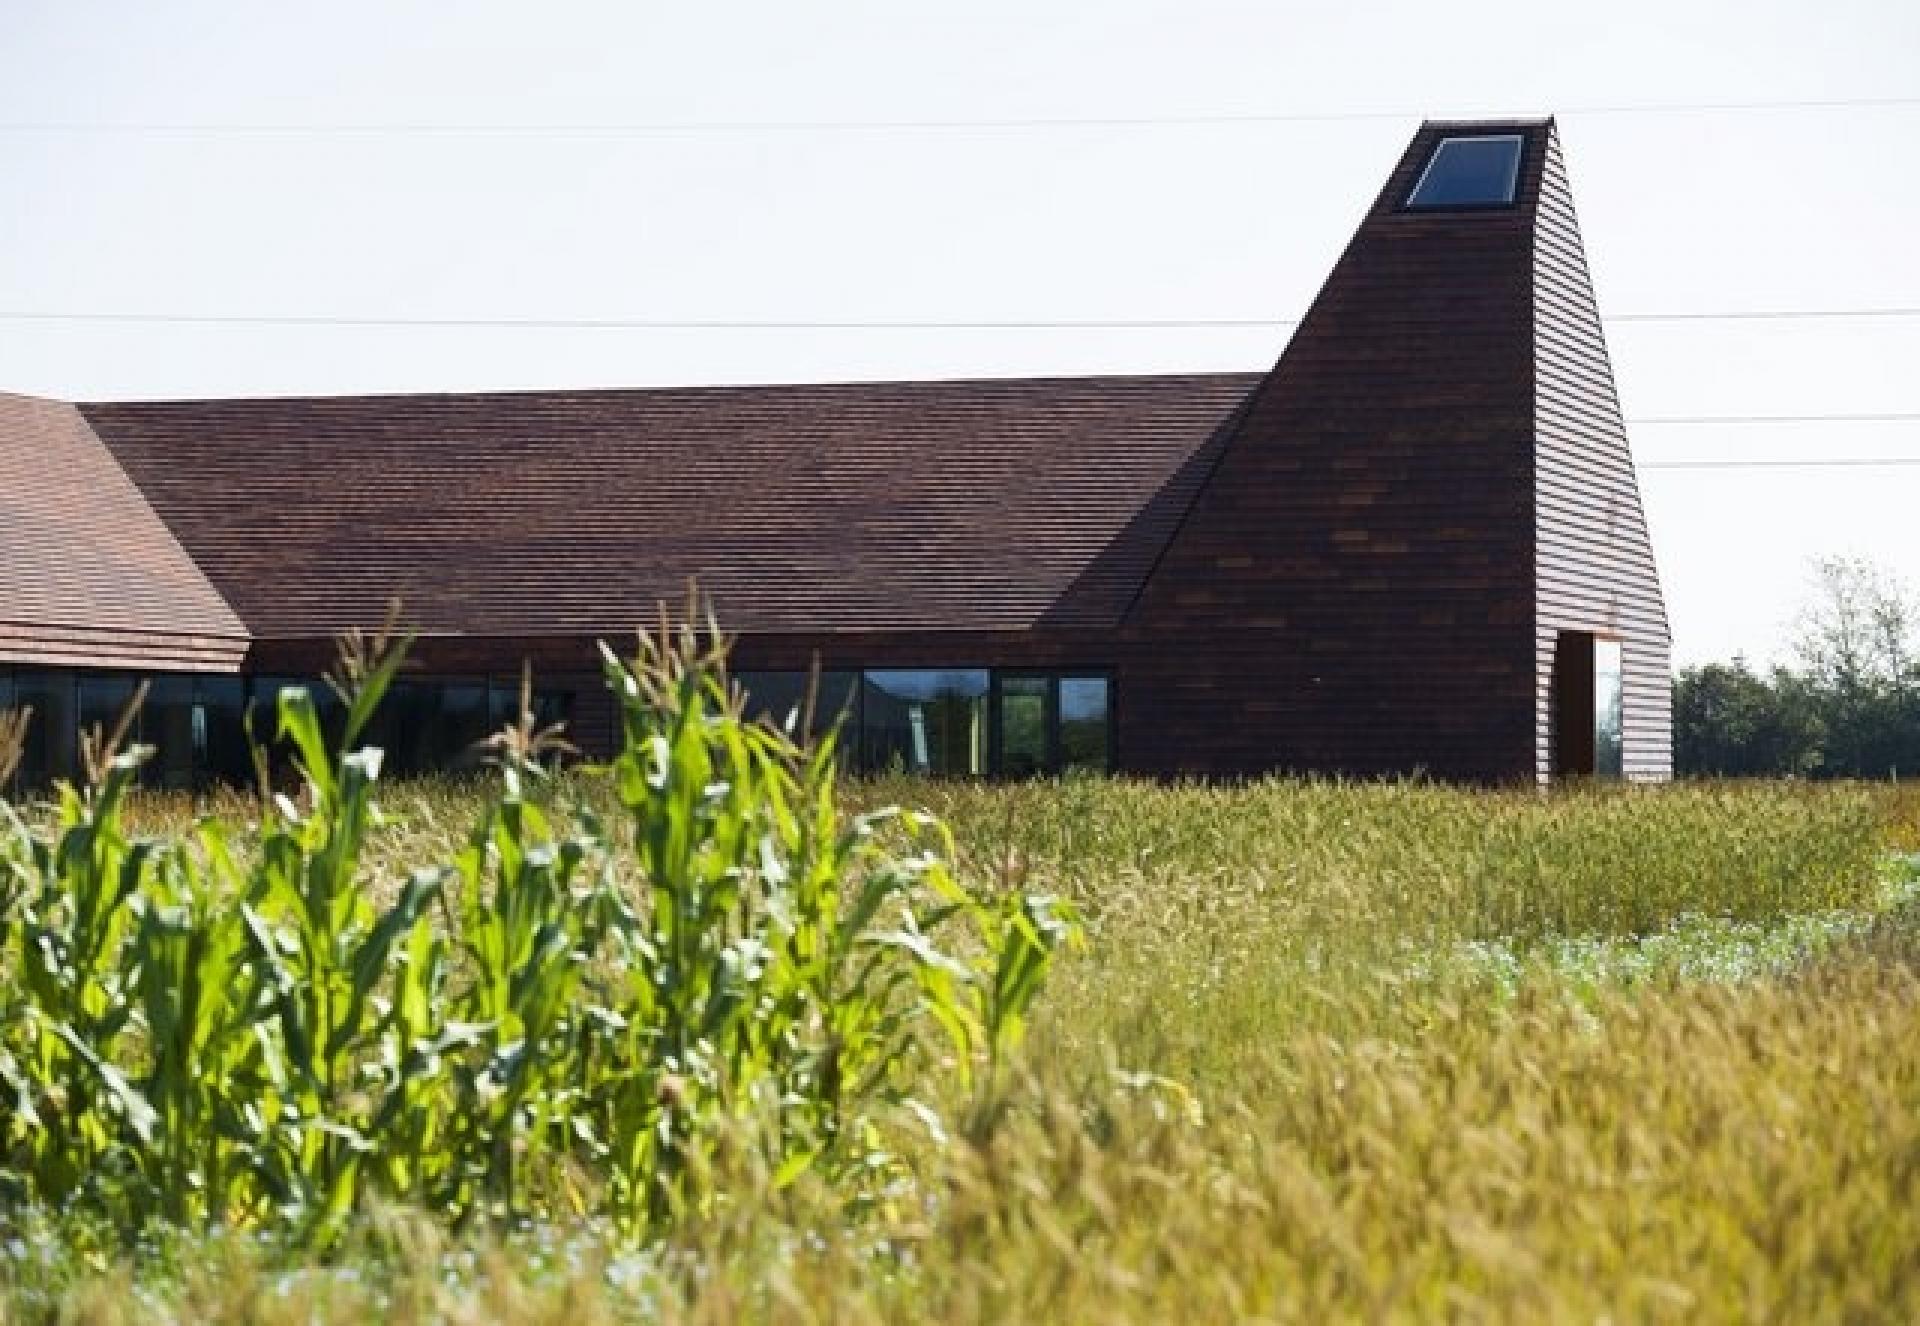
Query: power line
[(1827, 462), (1889, 418), (854, 324), (926, 125), (654, 324), (1763, 315)]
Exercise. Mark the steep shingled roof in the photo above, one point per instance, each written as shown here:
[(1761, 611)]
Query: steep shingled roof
[(88, 574), (968, 505)]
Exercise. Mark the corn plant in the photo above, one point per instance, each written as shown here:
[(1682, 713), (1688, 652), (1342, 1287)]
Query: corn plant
[(70, 1098), (251, 1028), (534, 912), (199, 1007), (779, 965)]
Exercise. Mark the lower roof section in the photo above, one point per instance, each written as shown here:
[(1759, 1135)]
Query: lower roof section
[(989, 505), (88, 572)]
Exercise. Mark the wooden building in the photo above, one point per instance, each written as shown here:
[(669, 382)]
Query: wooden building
[(1416, 545)]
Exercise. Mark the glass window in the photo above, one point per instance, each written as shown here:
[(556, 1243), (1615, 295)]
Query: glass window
[(263, 703), (263, 711), (924, 721), (220, 753), (166, 724), (7, 706), (463, 725), (331, 709), (103, 699), (406, 728), (1608, 753), (1025, 712), (550, 707), (781, 697), (52, 747), (1084, 724), (1479, 171), (503, 704)]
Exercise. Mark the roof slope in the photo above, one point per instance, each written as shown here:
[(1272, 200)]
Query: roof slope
[(88, 574), (976, 505)]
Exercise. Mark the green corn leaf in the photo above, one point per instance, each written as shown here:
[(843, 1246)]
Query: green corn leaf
[(132, 1106)]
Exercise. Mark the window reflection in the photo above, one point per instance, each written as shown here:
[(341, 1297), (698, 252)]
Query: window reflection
[(1608, 761), (1476, 171), (928, 722), (1084, 724), (1024, 715), (958, 722), (220, 737)]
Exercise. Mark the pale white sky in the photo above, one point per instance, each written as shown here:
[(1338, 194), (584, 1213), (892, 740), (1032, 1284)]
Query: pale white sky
[(533, 195)]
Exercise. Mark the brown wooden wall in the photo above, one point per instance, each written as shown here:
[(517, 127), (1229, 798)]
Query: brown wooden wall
[(1595, 562), (1351, 591)]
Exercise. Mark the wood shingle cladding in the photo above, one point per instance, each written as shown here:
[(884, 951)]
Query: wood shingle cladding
[(1352, 591), (916, 506), (89, 575), (1594, 568), (1363, 562)]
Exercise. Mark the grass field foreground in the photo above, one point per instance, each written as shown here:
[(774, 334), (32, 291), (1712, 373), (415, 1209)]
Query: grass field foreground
[(1328, 1052)]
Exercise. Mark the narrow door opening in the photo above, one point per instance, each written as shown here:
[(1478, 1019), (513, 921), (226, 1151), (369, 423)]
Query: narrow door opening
[(1587, 709)]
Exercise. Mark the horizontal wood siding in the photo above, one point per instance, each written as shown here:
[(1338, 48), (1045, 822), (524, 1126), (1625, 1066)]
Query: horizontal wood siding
[(1595, 567)]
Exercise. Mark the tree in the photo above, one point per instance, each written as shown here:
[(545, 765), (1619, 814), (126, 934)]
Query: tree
[(1856, 652), (1729, 721), (1856, 635), (1847, 706)]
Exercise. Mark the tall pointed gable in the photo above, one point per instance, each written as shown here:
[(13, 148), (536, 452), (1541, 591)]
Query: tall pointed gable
[(1594, 560), (1357, 570)]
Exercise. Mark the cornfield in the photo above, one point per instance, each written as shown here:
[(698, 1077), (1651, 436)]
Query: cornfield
[(711, 1035), (543, 1022)]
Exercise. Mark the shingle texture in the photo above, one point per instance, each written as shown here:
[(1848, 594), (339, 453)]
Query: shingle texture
[(1363, 562), (1351, 591), (88, 573), (980, 505)]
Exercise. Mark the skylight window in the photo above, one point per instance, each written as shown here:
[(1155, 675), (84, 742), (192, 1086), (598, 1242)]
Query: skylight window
[(1481, 171)]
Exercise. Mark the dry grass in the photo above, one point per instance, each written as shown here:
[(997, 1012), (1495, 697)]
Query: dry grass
[(1394, 1053)]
